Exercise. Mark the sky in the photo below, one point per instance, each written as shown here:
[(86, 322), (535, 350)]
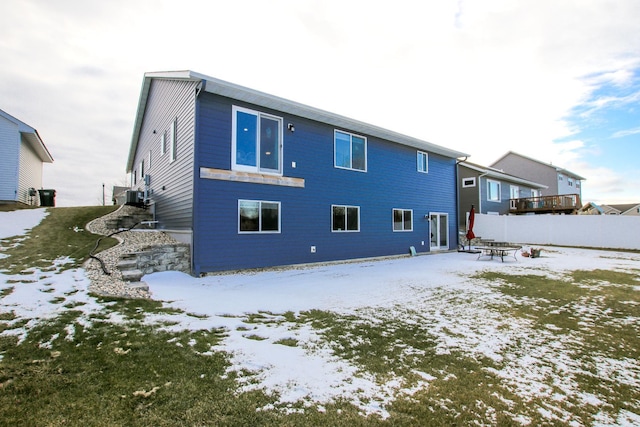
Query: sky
[(433, 291), (558, 81)]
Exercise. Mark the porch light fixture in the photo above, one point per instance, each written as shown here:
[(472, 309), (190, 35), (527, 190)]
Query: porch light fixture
[(291, 127)]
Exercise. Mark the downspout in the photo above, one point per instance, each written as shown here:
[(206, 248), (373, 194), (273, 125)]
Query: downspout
[(480, 191), (196, 174)]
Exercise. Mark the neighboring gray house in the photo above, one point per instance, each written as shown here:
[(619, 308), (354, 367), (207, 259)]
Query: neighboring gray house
[(119, 195), (627, 209), (491, 191), (558, 180), (22, 154)]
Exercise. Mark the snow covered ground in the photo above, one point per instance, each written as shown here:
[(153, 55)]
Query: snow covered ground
[(438, 290)]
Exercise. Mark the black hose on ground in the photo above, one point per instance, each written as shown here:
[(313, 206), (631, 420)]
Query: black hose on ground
[(92, 255)]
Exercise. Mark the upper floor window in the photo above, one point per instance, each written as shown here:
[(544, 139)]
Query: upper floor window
[(514, 192), (570, 182), (256, 141), (423, 162), (350, 151), (493, 191)]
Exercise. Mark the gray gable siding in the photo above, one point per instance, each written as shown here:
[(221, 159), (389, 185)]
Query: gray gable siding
[(9, 153), (530, 170), (558, 180), (171, 182)]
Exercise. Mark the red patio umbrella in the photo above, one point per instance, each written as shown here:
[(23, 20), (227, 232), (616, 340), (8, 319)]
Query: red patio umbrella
[(472, 217)]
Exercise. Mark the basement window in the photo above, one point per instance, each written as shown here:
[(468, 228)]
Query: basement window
[(256, 216), (345, 218)]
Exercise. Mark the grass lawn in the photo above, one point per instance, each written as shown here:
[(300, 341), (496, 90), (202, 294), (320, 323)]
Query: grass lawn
[(110, 362), (61, 235)]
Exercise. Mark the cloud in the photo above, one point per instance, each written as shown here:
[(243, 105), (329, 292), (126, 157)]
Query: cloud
[(479, 77), (626, 132)]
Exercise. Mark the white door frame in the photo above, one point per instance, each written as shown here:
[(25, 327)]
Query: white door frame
[(438, 241)]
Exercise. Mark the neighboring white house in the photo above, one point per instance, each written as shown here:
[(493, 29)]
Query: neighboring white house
[(22, 154)]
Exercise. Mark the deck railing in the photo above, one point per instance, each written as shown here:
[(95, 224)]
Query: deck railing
[(566, 203)]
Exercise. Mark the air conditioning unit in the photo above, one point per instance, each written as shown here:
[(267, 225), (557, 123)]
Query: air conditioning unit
[(134, 198)]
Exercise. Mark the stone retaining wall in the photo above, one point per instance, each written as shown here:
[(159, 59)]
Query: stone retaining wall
[(174, 257)]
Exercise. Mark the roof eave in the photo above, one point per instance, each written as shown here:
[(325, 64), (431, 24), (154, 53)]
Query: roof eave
[(504, 176), (33, 138), (241, 93)]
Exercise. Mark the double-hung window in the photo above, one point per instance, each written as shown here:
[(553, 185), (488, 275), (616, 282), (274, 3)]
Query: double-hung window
[(423, 162), (257, 141), (350, 151), (402, 220), (257, 216), (345, 218), (493, 191)]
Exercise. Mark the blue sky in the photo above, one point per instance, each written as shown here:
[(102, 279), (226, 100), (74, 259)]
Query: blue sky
[(608, 124), (554, 80)]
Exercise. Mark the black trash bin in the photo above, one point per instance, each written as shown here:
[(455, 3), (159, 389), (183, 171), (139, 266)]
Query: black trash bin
[(47, 197)]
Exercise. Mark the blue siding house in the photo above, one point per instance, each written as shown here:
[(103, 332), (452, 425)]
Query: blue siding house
[(251, 180)]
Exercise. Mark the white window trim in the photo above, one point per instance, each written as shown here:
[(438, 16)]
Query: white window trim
[(173, 146), (260, 217), (499, 191), (163, 142), (244, 168), (346, 207), (426, 162), (512, 189), (141, 170), (393, 214), (366, 153), (472, 184)]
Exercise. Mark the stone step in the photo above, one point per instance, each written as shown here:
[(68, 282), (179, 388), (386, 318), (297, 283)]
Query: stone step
[(127, 264), (132, 275), (138, 285)]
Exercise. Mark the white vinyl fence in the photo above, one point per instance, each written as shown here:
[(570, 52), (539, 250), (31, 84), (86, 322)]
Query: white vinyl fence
[(596, 231)]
